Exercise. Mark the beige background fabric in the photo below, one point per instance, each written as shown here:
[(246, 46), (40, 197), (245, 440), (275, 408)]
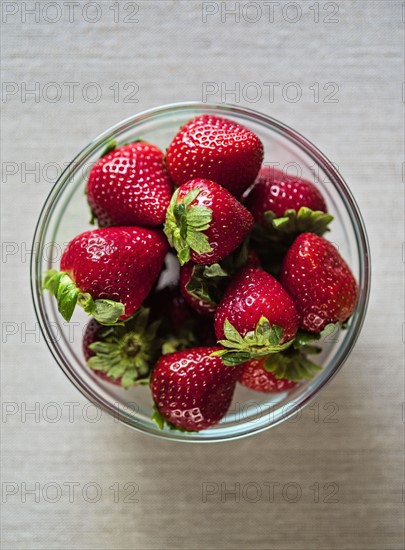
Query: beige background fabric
[(321, 482)]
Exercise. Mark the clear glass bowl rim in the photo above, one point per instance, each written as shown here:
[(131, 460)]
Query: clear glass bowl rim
[(309, 148)]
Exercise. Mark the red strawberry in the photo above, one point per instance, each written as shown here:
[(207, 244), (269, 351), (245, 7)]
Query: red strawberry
[(205, 223), (130, 186), (320, 282), (217, 149), (286, 205), (253, 375), (256, 317), (273, 190), (122, 354), (192, 390), (109, 272)]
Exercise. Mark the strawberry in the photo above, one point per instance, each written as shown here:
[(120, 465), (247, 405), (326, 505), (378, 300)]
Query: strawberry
[(204, 285), (320, 282), (130, 186), (205, 223), (181, 327), (109, 272), (200, 291), (254, 375), (256, 317), (284, 206), (192, 389), (122, 354), (216, 149), (167, 303)]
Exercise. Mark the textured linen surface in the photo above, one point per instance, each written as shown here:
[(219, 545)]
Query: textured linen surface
[(337, 485)]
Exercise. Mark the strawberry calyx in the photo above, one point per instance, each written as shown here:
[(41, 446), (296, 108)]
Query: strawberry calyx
[(263, 341), (127, 351), (185, 224), (293, 364), (208, 282), (273, 239), (68, 295), (292, 223), (304, 339), (186, 338)]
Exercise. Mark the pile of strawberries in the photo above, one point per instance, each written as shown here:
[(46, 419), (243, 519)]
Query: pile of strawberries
[(258, 285)]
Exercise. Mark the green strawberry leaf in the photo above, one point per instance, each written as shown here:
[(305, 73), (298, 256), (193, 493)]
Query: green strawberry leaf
[(93, 218), (263, 341), (310, 350), (191, 196), (214, 271), (184, 340), (128, 378), (231, 334), (199, 217), (208, 282), (158, 418), (183, 255), (291, 364), (234, 358), (185, 224), (111, 145), (293, 222), (198, 242), (128, 350), (304, 338), (65, 291), (120, 370), (106, 312), (329, 329), (67, 294), (171, 345)]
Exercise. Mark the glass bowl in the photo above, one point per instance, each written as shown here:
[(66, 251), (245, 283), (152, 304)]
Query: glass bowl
[(66, 214)]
